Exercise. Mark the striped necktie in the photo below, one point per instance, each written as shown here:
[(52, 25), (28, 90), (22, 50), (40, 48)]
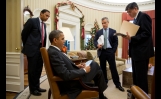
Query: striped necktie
[(134, 21), (42, 33)]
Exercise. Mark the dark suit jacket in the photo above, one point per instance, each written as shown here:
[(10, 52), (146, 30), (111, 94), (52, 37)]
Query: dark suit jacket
[(141, 45), (63, 67), (31, 36), (112, 39)]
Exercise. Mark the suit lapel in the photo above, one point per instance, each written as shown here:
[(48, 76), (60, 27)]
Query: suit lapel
[(109, 34), (67, 58), (138, 17), (38, 24), (63, 55)]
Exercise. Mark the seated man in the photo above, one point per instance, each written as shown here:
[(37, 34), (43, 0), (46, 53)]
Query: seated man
[(67, 70)]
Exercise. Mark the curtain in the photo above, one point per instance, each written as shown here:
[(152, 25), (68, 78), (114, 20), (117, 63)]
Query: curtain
[(125, 42), (151, 13)]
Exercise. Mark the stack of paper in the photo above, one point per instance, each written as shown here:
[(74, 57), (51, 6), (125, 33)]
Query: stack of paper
[(127, 27), (101, 40)]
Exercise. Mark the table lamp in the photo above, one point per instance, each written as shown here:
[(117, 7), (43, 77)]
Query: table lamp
[(68, 35)]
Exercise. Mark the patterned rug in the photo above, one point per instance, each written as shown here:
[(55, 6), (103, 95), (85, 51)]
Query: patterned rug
[(25, 94)]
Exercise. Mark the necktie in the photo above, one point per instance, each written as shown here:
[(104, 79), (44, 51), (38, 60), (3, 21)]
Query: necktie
[(42, 34), (105, 39), (134, 21)]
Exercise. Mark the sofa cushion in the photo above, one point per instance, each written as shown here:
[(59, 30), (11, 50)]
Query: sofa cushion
[(119, 63), (72, 53), (89, 56)]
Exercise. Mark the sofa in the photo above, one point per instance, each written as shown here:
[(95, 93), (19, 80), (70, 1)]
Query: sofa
[(92, 54)]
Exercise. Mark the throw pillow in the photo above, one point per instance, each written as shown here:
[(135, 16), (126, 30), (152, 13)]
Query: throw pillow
[(89, 56), (82, 54)]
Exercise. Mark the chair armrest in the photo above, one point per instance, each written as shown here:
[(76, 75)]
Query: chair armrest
[(95, 88), (56, 78), (121, 59), (139, 93)]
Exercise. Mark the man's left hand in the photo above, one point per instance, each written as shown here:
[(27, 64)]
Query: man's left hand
[(81, 65), (127, 36)]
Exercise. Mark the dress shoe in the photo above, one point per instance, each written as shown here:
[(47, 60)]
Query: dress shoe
[(120, 88), (41, 90), (128, 90), (105, 97), (36, 93)]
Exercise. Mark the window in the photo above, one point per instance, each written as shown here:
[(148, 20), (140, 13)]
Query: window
[(87, 37)]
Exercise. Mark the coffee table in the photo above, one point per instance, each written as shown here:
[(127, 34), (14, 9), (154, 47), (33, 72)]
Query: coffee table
[(127, 80), (79, 60)]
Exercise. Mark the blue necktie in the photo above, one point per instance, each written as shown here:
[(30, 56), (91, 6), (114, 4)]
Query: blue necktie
[(105, 39), (134, 21)]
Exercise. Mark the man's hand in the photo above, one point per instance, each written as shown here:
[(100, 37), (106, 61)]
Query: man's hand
[(127, 36), (88, 69), (81, 65), (99, 46)]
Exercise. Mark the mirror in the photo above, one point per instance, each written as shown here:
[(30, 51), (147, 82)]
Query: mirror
[(26, 14)]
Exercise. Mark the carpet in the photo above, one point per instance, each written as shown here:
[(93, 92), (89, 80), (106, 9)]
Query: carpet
[(25, 94), (111, 92)]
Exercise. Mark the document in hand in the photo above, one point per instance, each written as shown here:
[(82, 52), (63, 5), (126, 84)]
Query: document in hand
[(127, 27), (101, 40), (88, 62)]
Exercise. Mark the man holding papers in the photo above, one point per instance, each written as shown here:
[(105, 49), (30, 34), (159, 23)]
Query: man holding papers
[(140, 45), (106, 51)]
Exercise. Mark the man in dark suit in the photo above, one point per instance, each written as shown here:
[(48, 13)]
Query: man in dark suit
[(67, 70), (107, 51), (34, 37), (140, 45)]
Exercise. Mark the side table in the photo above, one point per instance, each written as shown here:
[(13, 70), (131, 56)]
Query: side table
[(127, 80)]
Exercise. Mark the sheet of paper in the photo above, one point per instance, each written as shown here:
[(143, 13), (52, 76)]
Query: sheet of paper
[(128, 27), (101, 40), (88, 62)]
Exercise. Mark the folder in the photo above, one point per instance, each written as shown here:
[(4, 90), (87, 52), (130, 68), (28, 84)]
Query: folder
[(127, 27)]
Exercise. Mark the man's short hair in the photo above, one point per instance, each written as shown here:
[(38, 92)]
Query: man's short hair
[(45, 10), (54, 34), (105, 18), (131, 5)]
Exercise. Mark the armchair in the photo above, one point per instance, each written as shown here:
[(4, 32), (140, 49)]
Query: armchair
[(89, 92)]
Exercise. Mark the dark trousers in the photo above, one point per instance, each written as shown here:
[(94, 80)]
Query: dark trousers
[(140, 70), (35, 65), (109, 55), (96, 74)]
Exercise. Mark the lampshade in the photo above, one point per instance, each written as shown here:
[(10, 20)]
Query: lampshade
[(67, 33)]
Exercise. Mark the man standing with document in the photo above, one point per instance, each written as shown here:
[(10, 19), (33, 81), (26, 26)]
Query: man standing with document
[(106, 51), (140, 45)]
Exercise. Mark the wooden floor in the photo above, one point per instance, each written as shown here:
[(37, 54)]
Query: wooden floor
[(11, 95)]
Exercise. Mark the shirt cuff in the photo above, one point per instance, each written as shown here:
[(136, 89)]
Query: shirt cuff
[(84, 69)]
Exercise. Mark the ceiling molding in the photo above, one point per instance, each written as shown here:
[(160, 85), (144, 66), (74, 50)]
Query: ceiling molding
[(121, 4), (113, 7)]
